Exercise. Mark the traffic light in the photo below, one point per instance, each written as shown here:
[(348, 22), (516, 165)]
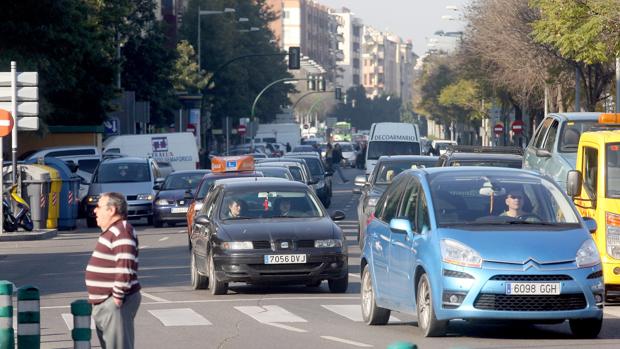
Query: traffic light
[(321, 84), (338, 93), (294, 58), (311, 83)]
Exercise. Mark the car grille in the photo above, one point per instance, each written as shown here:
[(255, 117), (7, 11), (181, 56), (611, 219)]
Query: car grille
[(266, 245), (305, 243), (261, 245), (132, 197), (526, 278), (285, 269), (501, 302)]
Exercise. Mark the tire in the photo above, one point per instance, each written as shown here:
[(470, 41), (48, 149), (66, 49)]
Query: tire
[(427, 320), (91, 222), (149, 220), (198, 281), (217, 287), (339, 285), (157, 223), (26, 222), (371, 313), (586, 328)]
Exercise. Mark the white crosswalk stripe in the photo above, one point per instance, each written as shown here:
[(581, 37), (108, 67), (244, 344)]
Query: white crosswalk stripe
[(352, 312), (270, 314), (179, 317), (68, 319), (612, 311)]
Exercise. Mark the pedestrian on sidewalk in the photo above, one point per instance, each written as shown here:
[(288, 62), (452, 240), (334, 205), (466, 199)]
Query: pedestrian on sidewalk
[(112, 275), (336, 161)]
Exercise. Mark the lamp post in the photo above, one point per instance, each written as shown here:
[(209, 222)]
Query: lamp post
[(206, 13)]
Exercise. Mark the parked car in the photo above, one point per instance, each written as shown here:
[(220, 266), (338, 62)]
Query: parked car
[(480, 243), (170, 202)]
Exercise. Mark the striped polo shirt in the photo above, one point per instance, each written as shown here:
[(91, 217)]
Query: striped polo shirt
[(113, 267)]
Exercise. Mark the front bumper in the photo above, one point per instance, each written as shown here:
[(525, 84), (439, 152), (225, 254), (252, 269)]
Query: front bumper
[(171, 213), (135, 209), (250, 267)]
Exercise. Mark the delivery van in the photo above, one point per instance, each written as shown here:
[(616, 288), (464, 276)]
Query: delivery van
[(391, 138), (178, 149)]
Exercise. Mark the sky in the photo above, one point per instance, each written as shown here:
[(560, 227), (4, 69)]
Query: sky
[(410, 19)]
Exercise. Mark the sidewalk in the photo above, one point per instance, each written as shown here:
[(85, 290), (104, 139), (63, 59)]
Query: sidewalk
[(29, 235)]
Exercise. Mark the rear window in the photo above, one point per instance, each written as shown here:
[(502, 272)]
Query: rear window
[(377, 149), (570, 133), (208, 182), (122, 173), (88, 165), (71, 152), (491, 163)]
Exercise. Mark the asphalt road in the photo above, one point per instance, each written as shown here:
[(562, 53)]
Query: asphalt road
[(172, 315)]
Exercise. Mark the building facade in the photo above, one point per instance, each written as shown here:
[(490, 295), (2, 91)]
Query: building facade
[(350, 32)]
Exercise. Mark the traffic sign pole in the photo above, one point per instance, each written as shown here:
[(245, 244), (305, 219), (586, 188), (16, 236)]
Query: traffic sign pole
[(14, 131)]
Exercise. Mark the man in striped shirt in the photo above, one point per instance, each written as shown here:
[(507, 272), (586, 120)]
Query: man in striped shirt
[(112, 274)]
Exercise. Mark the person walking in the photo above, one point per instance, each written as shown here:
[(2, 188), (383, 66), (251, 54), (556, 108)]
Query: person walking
[(112, 274), (336, 161), (329, 153)]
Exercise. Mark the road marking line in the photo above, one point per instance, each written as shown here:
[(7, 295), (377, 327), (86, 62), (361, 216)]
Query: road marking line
[(143, 247), (346, 341), (155, 298), (182, 231), (352, 312), (164, 238), (613, 311), (354, 275), (286, 327), (68, 318), (270, 314), (350, 230), (350, 238), (179, 317)]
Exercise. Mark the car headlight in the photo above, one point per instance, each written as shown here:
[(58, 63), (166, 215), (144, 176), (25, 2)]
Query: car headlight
[(92, 199), (197, 206), (237, 245), (327, 243), (454, 252), (162, 202), (372, 202), (147, 197), (587, 255), (613, 234)]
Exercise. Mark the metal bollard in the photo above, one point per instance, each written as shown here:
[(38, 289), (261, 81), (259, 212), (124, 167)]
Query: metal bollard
[(81, 332), (28, 318), (7, 337)]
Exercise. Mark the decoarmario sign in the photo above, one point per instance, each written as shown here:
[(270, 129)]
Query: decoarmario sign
[(387, 137)]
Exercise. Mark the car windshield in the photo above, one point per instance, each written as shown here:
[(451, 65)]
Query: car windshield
[(122, 172), (473, 199), (255, 203), (570, 133), (88, 165), (185, 181), (377, 149), (613, 170), (387, 171), (491, 163)]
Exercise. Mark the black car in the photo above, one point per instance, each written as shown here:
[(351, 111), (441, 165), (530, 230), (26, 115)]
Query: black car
[(482, 156), (385, 170), (266, 231), (320, 175), (170, 204)]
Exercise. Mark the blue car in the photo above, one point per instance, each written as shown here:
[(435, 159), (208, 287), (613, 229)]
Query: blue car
[(480, 243)]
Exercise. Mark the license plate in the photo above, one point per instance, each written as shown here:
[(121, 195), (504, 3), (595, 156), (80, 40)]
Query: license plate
[(285, 259), (533, 288), (178, 210)]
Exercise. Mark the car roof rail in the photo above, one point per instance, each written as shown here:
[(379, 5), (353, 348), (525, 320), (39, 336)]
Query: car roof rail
[(485, 149)]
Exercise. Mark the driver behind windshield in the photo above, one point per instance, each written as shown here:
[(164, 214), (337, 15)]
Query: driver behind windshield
[(514, 203)]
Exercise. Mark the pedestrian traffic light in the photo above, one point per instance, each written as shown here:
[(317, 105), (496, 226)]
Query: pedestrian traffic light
[(311, 83), (338, 93), (294, 58), (321, 84)]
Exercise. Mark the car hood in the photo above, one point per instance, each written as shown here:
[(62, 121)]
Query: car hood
[(176, 194), (543, 245), (132, 188), (278, 228)]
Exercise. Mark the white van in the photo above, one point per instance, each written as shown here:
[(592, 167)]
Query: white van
[(391, 138), (178, 149)]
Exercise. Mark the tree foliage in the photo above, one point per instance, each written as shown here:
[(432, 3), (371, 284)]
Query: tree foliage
[(362, 111), (185, 76)]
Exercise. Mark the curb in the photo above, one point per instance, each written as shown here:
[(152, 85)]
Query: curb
[(29, 236)]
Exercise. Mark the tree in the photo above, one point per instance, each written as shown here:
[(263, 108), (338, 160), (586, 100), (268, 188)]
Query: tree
[(467, 95), (362, 112), (185, 76)]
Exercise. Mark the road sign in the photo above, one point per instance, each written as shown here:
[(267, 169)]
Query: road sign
[(28, 123), (111, 126), (23, 93), (517, 126), (498, 129), (30, 78), (23, 108), (6, 123), (241, 129)]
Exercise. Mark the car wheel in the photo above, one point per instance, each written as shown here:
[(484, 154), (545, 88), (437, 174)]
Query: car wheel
[(586, 328), (91, 222), (199, 282), (427, 320), (217, 287), (149, 220), (371, 313), (157, 223)]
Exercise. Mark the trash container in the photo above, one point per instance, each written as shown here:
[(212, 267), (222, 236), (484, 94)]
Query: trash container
[(35, 190), (68, 200), (54, 196)]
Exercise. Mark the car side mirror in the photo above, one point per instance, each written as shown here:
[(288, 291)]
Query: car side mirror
[(338, 215), (590, 224), (574, 182), (542, 153), (159, 180), (188, 195), (360, 181), (201, 220), (401, 226), (157, 187)]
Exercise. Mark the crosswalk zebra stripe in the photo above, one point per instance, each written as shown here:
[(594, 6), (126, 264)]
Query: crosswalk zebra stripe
[(346, 341), (179, 317), (352, 312), (270, 314), (68, 319), (285, 327)]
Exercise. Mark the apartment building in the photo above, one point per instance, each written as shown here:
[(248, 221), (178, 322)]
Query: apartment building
[(350, 31)]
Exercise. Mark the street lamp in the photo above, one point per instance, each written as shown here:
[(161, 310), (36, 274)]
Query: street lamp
[(206, 13)]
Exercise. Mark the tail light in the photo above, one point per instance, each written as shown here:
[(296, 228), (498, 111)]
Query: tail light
[(612, 221), (370, 218)]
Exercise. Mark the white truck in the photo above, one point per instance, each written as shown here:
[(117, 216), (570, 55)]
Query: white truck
[(391, 138), (179, 149), (279, 133)]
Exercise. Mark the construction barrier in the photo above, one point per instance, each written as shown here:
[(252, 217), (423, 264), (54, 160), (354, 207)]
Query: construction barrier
[(28, 318), (81, 332), (7, 337)]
